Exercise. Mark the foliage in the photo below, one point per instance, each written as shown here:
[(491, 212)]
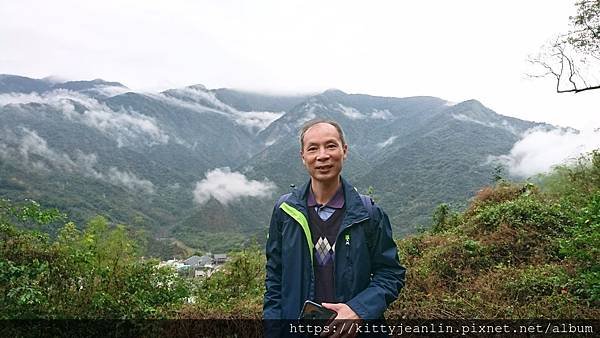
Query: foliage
[(234, 291), (583, 247), (535, 282), (444, 218), (586, 36), (94, 273), (498, 173), (521, 212), (215, 241), (371, 193), (518, 251)]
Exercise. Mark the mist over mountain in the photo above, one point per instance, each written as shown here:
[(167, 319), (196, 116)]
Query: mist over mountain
[(204, 166)]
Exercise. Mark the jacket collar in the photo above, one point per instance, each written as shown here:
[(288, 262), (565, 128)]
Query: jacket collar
[(355, 210)]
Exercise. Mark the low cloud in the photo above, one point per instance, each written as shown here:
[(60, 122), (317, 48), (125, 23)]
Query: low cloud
[(109, 91), (449, 103), (199, 95), (309, 109), (351, 112), (257, 120), (504, 124), (31, 147), (126, 127), (226, 186), (129, 180), (539, 150), (187, 104), (197, 98), (32, 151), (387, 142), (381, 114)]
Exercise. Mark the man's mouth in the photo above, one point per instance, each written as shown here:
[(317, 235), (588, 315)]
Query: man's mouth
[(323, 167)]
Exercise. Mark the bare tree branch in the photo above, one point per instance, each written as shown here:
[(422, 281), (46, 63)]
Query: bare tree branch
[(573, 58), (576, 90)]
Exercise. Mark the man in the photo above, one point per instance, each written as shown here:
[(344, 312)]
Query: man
[(328, 244)]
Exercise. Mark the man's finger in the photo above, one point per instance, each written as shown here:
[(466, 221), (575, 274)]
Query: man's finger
[(331, 306)]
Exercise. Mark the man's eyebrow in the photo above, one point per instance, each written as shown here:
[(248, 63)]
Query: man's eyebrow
[(326, 141)]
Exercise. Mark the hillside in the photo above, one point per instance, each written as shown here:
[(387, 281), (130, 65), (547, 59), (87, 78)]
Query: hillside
[(144, 159), (519, 251)]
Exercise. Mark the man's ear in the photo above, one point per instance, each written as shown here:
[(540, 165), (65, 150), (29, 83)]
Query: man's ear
[(345, 151)]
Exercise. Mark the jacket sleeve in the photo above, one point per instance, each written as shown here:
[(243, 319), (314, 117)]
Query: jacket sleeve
[(272, 298), (388, 276)]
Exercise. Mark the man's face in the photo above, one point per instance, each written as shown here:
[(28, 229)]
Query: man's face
[(323, 153)]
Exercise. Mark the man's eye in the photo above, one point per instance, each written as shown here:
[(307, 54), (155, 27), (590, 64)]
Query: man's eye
[(312, 149), (332, 146)]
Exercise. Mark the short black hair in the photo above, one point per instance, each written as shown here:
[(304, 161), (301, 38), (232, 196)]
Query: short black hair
[(306, 126)]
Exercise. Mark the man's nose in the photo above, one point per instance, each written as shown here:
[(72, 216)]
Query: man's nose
[(322, 154)]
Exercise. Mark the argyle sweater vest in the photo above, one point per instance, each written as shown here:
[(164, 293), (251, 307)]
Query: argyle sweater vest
[(324, 234)]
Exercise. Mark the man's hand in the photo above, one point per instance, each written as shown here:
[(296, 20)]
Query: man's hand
[(345, 320), (343, 310)]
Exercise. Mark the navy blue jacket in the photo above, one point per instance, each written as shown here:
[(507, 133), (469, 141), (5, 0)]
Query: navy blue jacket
[(366, 279)]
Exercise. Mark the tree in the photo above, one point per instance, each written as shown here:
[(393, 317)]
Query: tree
[(498, 173), (573, 58), (93, 273)]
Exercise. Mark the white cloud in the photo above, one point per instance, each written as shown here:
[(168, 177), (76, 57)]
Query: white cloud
[(33, 151), (199, 95), (195, 106), (351, 112), (129, 180), (18, 98), (539, 150), (197, 98), (257, 120), (236, 46), (381, 114), (226, 186), (509, 127), (387, 142), (504, 124), (85, 164), (126, 127), (32, 145), (309, 109), (109, 91), (462, 117)]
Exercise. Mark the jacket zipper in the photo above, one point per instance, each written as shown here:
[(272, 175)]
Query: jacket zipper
[(347, 249)]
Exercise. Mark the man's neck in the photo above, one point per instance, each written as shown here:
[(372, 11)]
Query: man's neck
[(324, 191)]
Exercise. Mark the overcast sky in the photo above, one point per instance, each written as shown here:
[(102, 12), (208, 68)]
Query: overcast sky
[(455, 50)]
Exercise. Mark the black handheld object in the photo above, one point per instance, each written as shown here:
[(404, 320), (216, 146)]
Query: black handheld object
[(314, 311)]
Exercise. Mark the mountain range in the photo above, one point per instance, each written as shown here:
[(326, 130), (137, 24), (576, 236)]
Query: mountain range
[(203, 166)]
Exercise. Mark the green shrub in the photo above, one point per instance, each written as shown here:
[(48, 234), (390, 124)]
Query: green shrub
[(526, 210), (582, 244), (95, 273), (535, 282), (445, 219), (238, 283)]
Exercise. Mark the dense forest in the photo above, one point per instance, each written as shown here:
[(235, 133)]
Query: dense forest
[(519, 250)]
